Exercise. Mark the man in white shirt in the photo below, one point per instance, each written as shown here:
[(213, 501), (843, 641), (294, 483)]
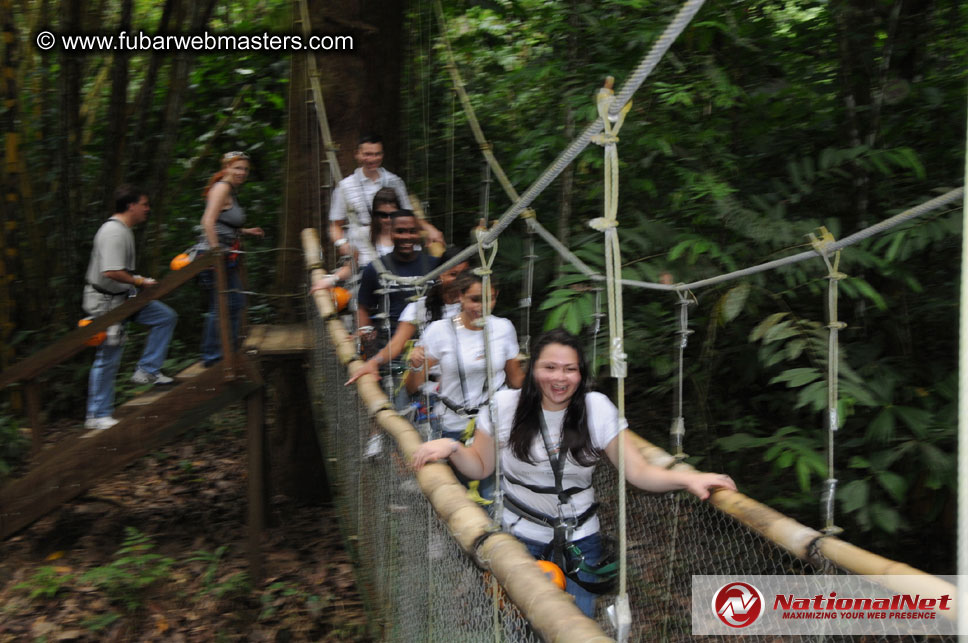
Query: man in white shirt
[(356, 192)]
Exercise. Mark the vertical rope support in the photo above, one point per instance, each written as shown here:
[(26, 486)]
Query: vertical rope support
[(962, 526), (485, 272), (834, 326), (385, 288), (678, 430), (527, 285), (449, 222), (596, 328), (608, 225)]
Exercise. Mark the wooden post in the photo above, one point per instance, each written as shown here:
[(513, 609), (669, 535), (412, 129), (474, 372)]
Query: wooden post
[(255, 411), (224, 321), (244, 313), (33, 415)]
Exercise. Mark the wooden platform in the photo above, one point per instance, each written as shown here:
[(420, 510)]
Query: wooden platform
[(278, 339)]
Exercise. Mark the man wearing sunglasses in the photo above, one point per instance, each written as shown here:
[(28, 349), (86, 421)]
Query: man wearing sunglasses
[(356, 192)]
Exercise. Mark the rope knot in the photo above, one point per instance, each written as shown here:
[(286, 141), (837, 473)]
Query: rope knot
[(604, 139), (528, 213), (602, 224)]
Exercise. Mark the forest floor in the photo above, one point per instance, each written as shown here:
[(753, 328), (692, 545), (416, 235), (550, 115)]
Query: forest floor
[(158, 553)]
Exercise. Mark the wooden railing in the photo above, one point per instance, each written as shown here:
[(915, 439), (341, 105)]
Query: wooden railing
[(29, 369)]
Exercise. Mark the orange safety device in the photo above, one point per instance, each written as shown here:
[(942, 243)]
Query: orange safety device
[(341, 297), (180, 261), (553, 572), (94, 340)]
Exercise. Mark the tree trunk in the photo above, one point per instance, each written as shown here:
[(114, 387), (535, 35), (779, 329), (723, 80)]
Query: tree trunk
[(10, 171), (114, 141), (141, 110), (178, 86), (362, 93), (69, 167)]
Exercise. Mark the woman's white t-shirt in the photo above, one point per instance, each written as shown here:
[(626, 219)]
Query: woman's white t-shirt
[(602, 427), (440, 344), (418, 310)]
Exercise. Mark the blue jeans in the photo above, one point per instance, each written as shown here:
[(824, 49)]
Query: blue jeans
[(211, 340), (591, 548), (161, 320)]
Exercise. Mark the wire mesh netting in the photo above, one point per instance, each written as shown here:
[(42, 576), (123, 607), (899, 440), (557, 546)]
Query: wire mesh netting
[(420, 586), (417, 583)]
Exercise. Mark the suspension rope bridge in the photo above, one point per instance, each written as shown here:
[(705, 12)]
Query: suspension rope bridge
[(431, 563), (426, 586)]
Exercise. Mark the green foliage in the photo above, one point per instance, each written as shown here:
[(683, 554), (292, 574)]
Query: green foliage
[(279, 594), (739, 144), (13, 443), (132, 571), (100, 622), (46, 582), (233, 586)]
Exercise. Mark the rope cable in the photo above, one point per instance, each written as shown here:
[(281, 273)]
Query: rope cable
[(821, 246), (608, 225), (527, 287), (671, 32), (678, 431), (486, 301), (449, 221), (962, 495)]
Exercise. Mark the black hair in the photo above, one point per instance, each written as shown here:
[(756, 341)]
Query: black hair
[(396, 214), (383, 196), (435, 296), (369, 138), (526, 427), (125, 195)]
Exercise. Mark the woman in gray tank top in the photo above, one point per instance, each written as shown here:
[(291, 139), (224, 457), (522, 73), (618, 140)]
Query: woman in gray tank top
[(222, 226)]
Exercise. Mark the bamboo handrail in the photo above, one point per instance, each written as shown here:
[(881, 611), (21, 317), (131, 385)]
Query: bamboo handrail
[(551, 611)]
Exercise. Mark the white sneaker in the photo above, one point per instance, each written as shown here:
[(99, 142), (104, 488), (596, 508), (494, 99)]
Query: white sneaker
[(144, 377), (99, 424)]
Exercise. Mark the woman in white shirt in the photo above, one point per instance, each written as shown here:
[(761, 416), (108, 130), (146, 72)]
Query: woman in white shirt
[(456, 346), (549, 502), (441, 302)]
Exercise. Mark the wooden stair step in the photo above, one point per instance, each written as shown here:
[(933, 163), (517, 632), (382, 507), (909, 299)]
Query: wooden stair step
[(191, 372), (149, 397)]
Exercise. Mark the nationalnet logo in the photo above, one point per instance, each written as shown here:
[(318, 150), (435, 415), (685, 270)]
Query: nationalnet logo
[(738, 604), (837, 605)]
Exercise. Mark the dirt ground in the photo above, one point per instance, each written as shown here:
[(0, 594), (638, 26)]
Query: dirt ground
[(157, 553)]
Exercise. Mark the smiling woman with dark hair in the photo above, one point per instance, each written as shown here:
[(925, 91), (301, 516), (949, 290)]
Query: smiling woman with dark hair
[(552, 433)]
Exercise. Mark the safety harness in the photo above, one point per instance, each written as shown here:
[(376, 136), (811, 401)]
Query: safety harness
[(560, 551), (465, 412), (462, 409)]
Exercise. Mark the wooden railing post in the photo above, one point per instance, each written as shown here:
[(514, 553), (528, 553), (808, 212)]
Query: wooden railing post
[(255, 411), (32, 394), (224, 321), (244, 312)]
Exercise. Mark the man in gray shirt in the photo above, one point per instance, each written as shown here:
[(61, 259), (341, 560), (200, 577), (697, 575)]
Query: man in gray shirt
[(110, 281)]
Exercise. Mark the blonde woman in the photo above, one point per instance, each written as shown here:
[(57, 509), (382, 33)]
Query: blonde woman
[(223, 226)]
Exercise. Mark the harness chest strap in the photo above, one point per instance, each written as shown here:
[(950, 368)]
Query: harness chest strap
[(562, 553)]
